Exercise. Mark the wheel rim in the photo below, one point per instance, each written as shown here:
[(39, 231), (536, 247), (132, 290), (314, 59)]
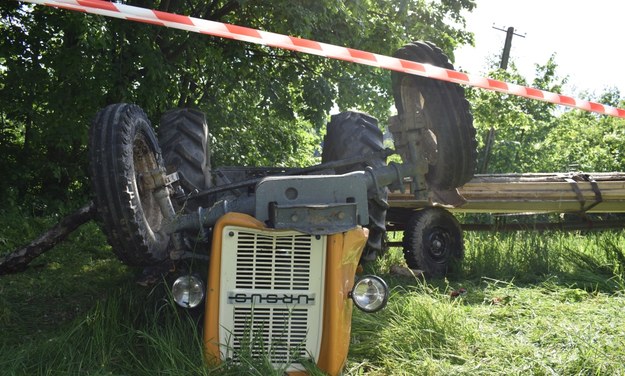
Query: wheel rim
[(439, 242), (145, 163)]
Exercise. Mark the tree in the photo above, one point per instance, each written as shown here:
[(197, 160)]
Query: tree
[(534, 136), (264, 106), (519, 124), (587, 142)]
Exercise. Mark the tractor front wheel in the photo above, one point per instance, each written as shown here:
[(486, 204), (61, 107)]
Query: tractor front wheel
[(351, 134), (184, 140)]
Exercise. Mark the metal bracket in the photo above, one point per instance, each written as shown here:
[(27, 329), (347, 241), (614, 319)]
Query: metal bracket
[(573, 180), (413, 141), (157, 179), (314, 219), (160, 184), (314, 201)]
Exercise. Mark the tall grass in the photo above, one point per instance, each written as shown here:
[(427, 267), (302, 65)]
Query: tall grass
[(591, 260), (125, 333), (498, 328), (536, 303)]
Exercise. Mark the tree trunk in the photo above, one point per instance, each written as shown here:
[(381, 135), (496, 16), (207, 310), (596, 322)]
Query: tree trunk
[(19, 259)]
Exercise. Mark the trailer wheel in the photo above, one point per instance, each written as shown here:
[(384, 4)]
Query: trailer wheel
[(433, 242), (183, 137), (350, 134), (122, 149), (445, 112)]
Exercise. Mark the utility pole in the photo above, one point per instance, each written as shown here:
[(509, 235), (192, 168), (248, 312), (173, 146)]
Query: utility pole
[(505, 55)]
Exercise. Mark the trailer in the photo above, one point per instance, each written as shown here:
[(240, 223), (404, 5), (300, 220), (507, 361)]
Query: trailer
[(432, 236)]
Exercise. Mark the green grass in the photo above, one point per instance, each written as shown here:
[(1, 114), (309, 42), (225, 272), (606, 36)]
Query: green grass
[(497, 328), (536, 303)]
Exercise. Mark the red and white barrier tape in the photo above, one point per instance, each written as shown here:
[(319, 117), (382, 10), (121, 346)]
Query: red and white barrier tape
[(230, 31)]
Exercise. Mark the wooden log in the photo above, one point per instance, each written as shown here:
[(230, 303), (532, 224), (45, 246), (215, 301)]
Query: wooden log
[(517, 193), (19, 259)]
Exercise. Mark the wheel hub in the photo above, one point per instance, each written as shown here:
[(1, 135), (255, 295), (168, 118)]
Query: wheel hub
[(144, 162), (439, 244)]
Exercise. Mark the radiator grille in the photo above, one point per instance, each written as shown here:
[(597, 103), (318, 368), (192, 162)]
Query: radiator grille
[(262, 274), (275, 263), (279, 332)]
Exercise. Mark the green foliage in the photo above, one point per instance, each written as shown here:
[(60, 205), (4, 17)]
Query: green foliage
[(265, 106), (519, 124), (587, 141), (534, 136)]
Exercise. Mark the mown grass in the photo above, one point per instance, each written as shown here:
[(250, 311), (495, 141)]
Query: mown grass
[(497, 328), (540, 304), (536, 303)]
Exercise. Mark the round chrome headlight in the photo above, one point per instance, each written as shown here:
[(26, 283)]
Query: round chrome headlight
[(370, 293), (188, 291)]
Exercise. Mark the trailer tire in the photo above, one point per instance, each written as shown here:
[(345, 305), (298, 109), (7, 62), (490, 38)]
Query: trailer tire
[(183, 137), (122, 147), (350, 134), (433, 242), (446, 114)]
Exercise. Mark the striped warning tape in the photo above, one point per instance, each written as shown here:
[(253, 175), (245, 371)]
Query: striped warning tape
[(241, 33)]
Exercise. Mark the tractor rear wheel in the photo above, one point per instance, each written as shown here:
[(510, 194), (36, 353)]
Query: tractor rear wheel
[(444, 111), (351, 134), (122, 151)]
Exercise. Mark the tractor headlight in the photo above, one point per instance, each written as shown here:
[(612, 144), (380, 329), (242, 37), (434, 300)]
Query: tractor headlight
[(370, 293), (188, 291)]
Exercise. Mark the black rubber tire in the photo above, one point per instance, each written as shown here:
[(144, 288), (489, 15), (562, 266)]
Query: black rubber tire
[(183, 137), (433, 242), (122, 146), (351, 134), (446, 113)]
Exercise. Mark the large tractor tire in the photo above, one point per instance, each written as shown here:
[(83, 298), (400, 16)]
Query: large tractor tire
[(445, 112), (122, 149), (183, 137), (351, 134), (433, 242)]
